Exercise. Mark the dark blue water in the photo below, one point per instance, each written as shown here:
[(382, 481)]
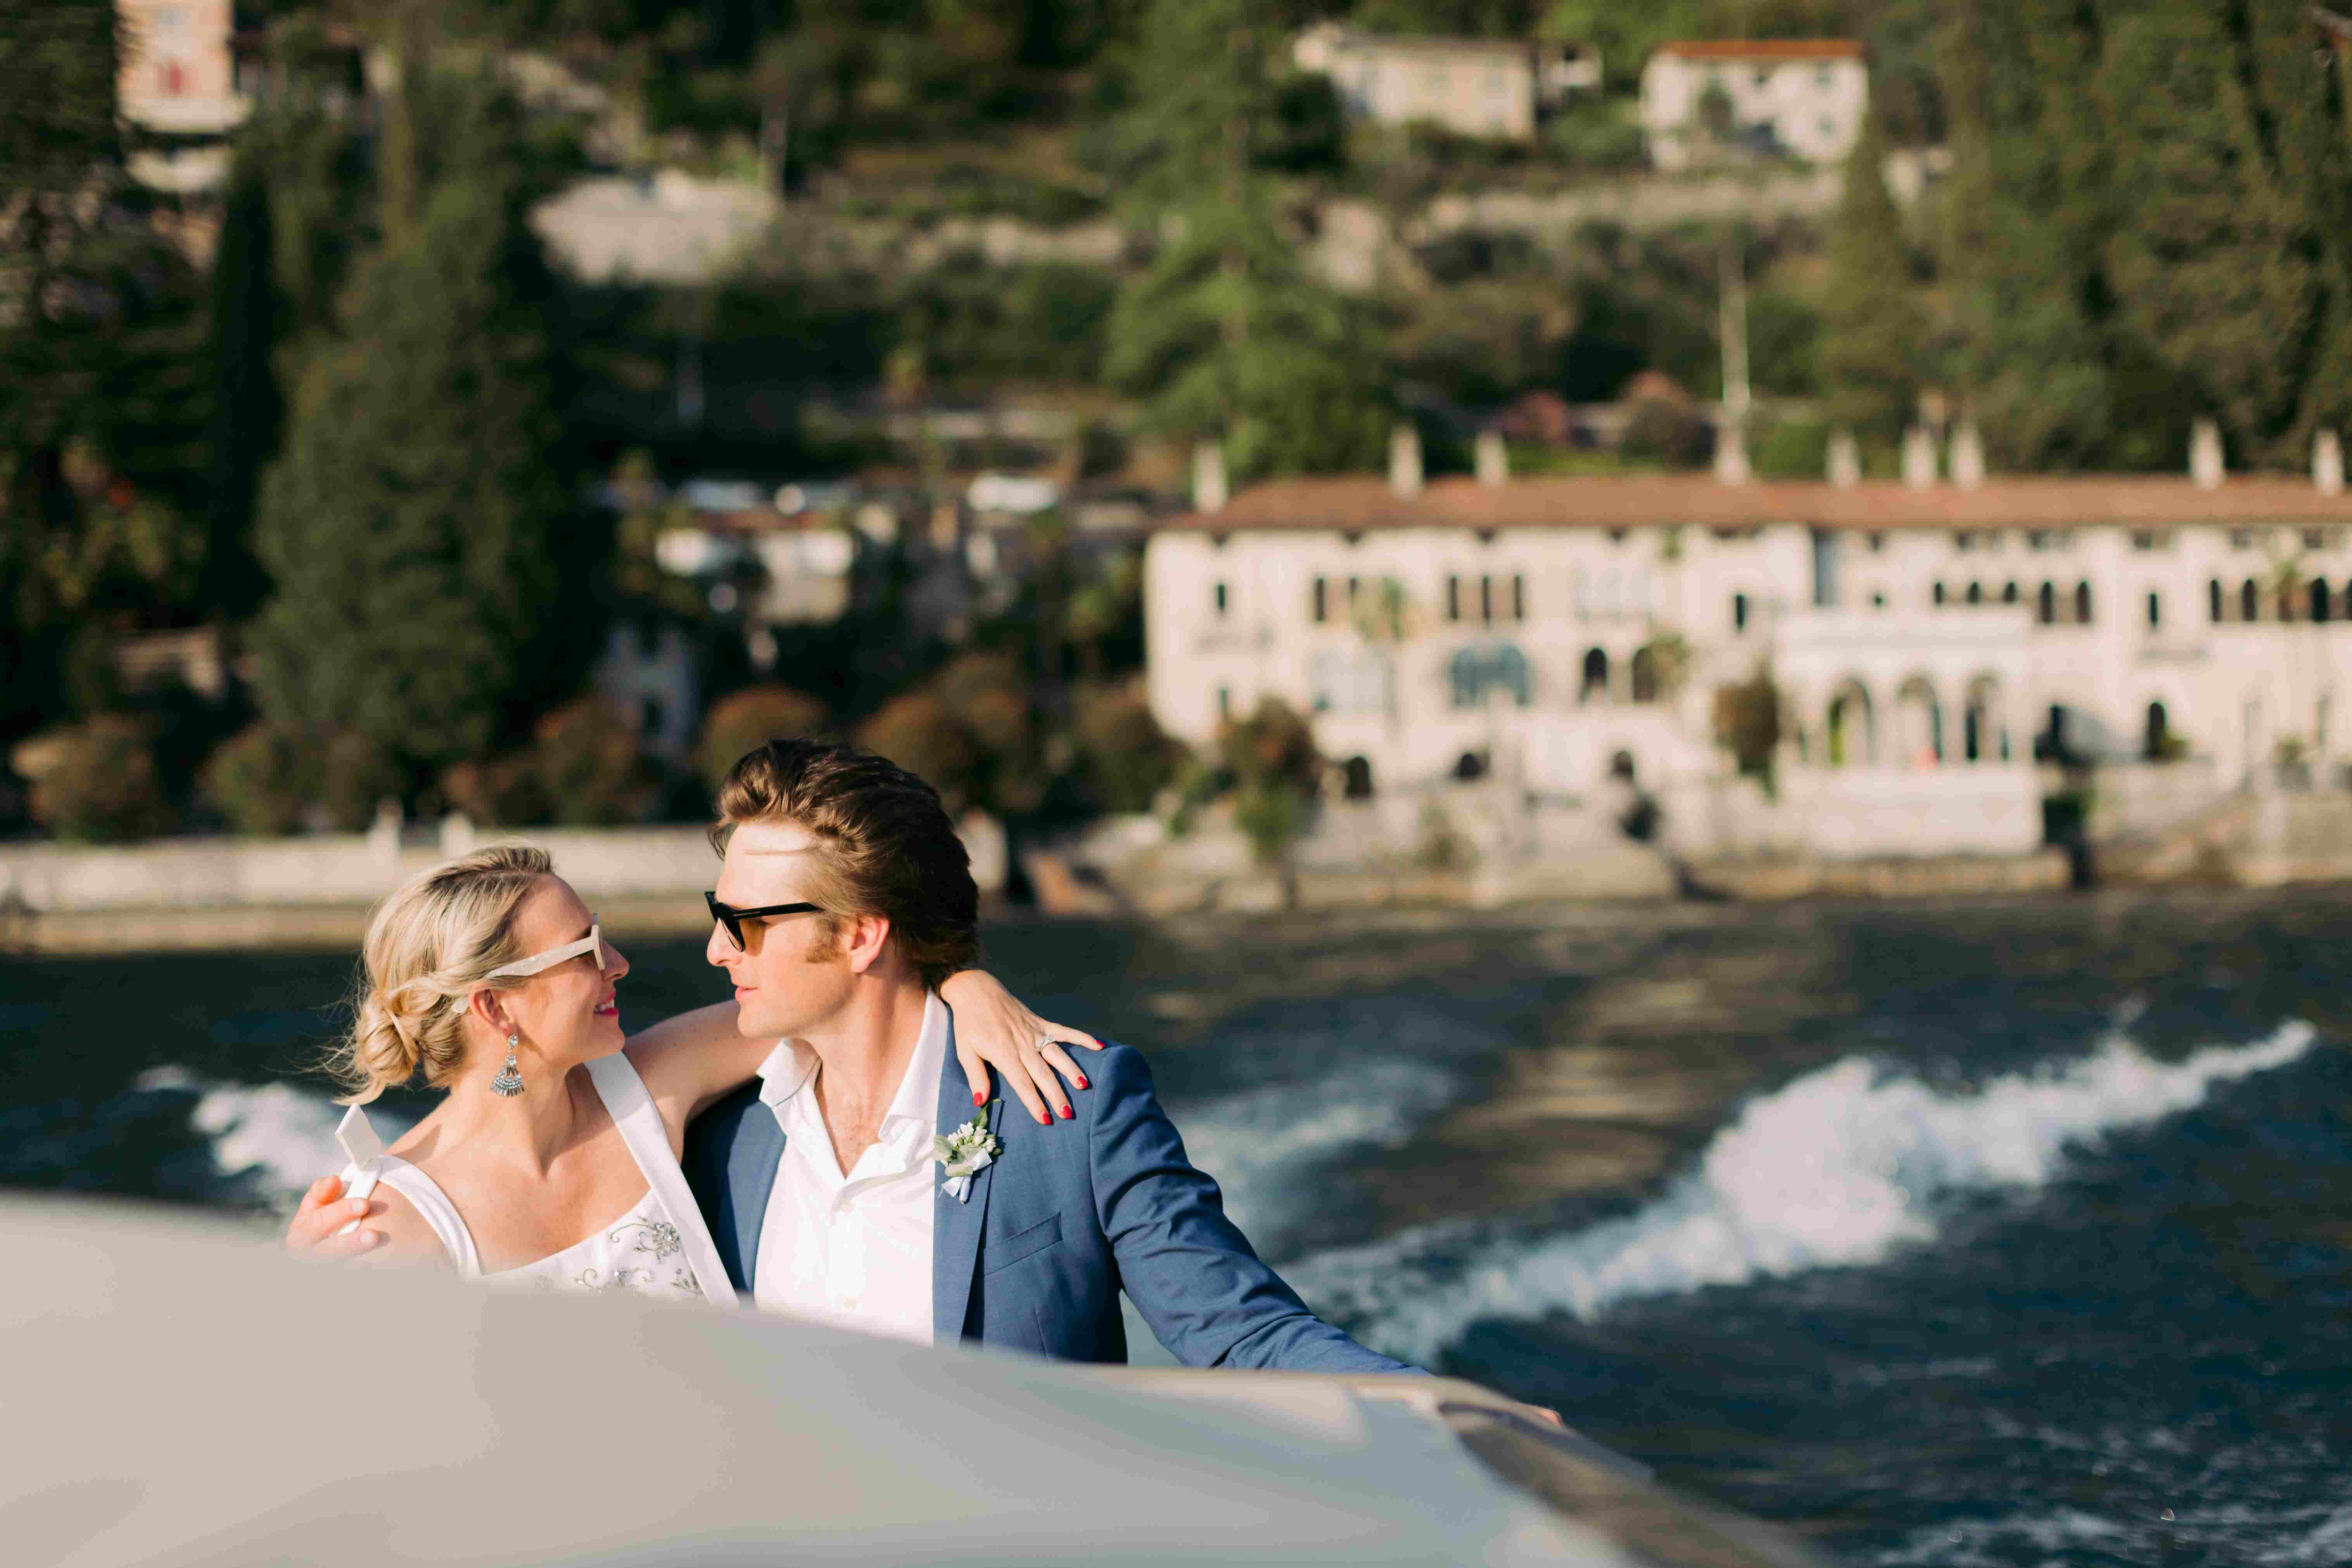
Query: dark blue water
[(1986, 1234)]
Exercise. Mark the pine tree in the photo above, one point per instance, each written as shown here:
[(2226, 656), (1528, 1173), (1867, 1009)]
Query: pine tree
[(1225, 334), (420, 525), (1874, 328), (98, 409), (247, 409)]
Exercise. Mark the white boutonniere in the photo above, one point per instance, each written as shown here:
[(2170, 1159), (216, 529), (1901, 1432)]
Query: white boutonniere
[(965, 1152)]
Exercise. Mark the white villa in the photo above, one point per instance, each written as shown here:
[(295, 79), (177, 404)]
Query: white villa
[(1474, 87), (1925, 640), (1804, 97), (178, 75)]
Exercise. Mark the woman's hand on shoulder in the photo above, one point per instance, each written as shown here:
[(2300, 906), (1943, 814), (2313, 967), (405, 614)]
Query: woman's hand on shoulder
[(390, 1230), (994, 1029)]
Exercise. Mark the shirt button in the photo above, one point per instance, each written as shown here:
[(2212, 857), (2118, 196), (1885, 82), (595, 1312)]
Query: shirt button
[(850, 1305)]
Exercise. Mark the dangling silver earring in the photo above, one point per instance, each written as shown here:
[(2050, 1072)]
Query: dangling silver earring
[(508, 1084)]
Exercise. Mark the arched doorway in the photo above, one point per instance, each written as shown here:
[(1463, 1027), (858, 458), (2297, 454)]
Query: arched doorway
[(1918, 725), (2082, 604), (2320, 607), (2045, 604), (1852, 734), (1644, 673), (1356, 779), (1595, 686), (2250, 601), (2157, 735), (1983, 735)]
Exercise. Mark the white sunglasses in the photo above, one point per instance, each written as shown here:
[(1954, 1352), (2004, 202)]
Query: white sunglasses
[(592, 943)]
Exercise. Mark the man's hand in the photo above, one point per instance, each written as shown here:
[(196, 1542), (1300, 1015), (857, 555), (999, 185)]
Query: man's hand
[(325, 1211)]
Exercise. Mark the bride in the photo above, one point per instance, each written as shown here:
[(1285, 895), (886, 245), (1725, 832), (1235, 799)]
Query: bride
[(552, 1160)]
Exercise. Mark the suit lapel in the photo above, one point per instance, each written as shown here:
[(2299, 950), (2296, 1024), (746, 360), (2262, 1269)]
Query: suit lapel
[(751, 1162), (955, 1226)]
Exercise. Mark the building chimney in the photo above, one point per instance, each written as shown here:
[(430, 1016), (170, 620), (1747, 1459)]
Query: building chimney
[(1494, 459), (1845, 459), (2327, 463), (1918, 458), (1209, 477), (1404, 460), (2205, 463), (1964, 459)]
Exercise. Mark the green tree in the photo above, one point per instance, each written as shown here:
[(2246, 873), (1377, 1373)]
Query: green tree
[(1277, 778), (421, 528), (1874, 324), (247, 409), (101, 409), (1225, 334)]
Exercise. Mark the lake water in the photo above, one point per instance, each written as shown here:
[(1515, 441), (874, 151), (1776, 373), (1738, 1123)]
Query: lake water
[(1996, 1233)]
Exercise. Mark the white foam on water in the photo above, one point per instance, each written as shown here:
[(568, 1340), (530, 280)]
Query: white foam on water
[(1258, 1144), (1839, 1167), (281, 1136)]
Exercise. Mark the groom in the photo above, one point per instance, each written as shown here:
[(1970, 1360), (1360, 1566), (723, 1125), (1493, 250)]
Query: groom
[(844, 899)]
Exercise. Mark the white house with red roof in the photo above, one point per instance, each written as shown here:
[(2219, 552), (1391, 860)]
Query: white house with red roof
[(1926, 639), (1804, 98)]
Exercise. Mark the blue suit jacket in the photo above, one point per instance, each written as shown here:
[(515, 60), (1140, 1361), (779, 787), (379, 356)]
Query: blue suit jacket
[(1066, 1218)]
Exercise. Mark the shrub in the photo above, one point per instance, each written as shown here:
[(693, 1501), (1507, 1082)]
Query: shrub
[(260, 778), (504, 792), (1125, 757), (750, 718), (916, 731), (96, 781), (589, 762), (355, 775)]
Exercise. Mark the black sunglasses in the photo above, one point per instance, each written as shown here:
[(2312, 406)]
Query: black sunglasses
[(731, 919)]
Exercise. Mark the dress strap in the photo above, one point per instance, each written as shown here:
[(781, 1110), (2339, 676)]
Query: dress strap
[(433, 1204), (640, 1124)]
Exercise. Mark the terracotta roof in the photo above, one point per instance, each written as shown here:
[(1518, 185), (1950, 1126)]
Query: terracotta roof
[(1766, 50), (1358, 501)]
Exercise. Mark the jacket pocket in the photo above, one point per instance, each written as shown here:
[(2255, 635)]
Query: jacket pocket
[(1021, 1243)]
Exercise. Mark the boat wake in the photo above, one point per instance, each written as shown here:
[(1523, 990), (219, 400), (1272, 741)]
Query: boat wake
[(270, 1141), (1839, 1168)]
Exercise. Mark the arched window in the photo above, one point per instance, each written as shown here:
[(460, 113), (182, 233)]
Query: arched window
[(2213, 599), (2082, 604), (1976, 594), (2155, 609), (2158, 739), (2008, 593), (2045, 608), (1595, 687), (2249, 602), (1483, 674), (1645, 676), (2320, 607), (1981, 732), (1356, 776), (1937, 593)]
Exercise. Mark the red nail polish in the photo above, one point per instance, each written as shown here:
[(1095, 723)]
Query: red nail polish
[(1084, 1084), (1066, 1114), (980, 1096), (1044, 1122)]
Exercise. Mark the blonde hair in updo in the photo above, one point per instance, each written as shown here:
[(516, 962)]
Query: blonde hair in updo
[(430, 943)]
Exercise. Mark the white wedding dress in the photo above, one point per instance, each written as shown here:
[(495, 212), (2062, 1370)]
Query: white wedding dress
[(659, 1247)]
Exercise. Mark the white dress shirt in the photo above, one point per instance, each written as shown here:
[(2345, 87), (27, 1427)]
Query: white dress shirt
[(852, 1250)]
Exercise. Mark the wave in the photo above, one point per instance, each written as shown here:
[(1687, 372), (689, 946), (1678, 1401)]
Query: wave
[(1839, 1168), (272, 1138), (1261, 1142)]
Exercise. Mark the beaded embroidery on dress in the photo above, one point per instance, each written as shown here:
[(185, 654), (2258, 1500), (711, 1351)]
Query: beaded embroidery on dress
[(641, 1252)]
